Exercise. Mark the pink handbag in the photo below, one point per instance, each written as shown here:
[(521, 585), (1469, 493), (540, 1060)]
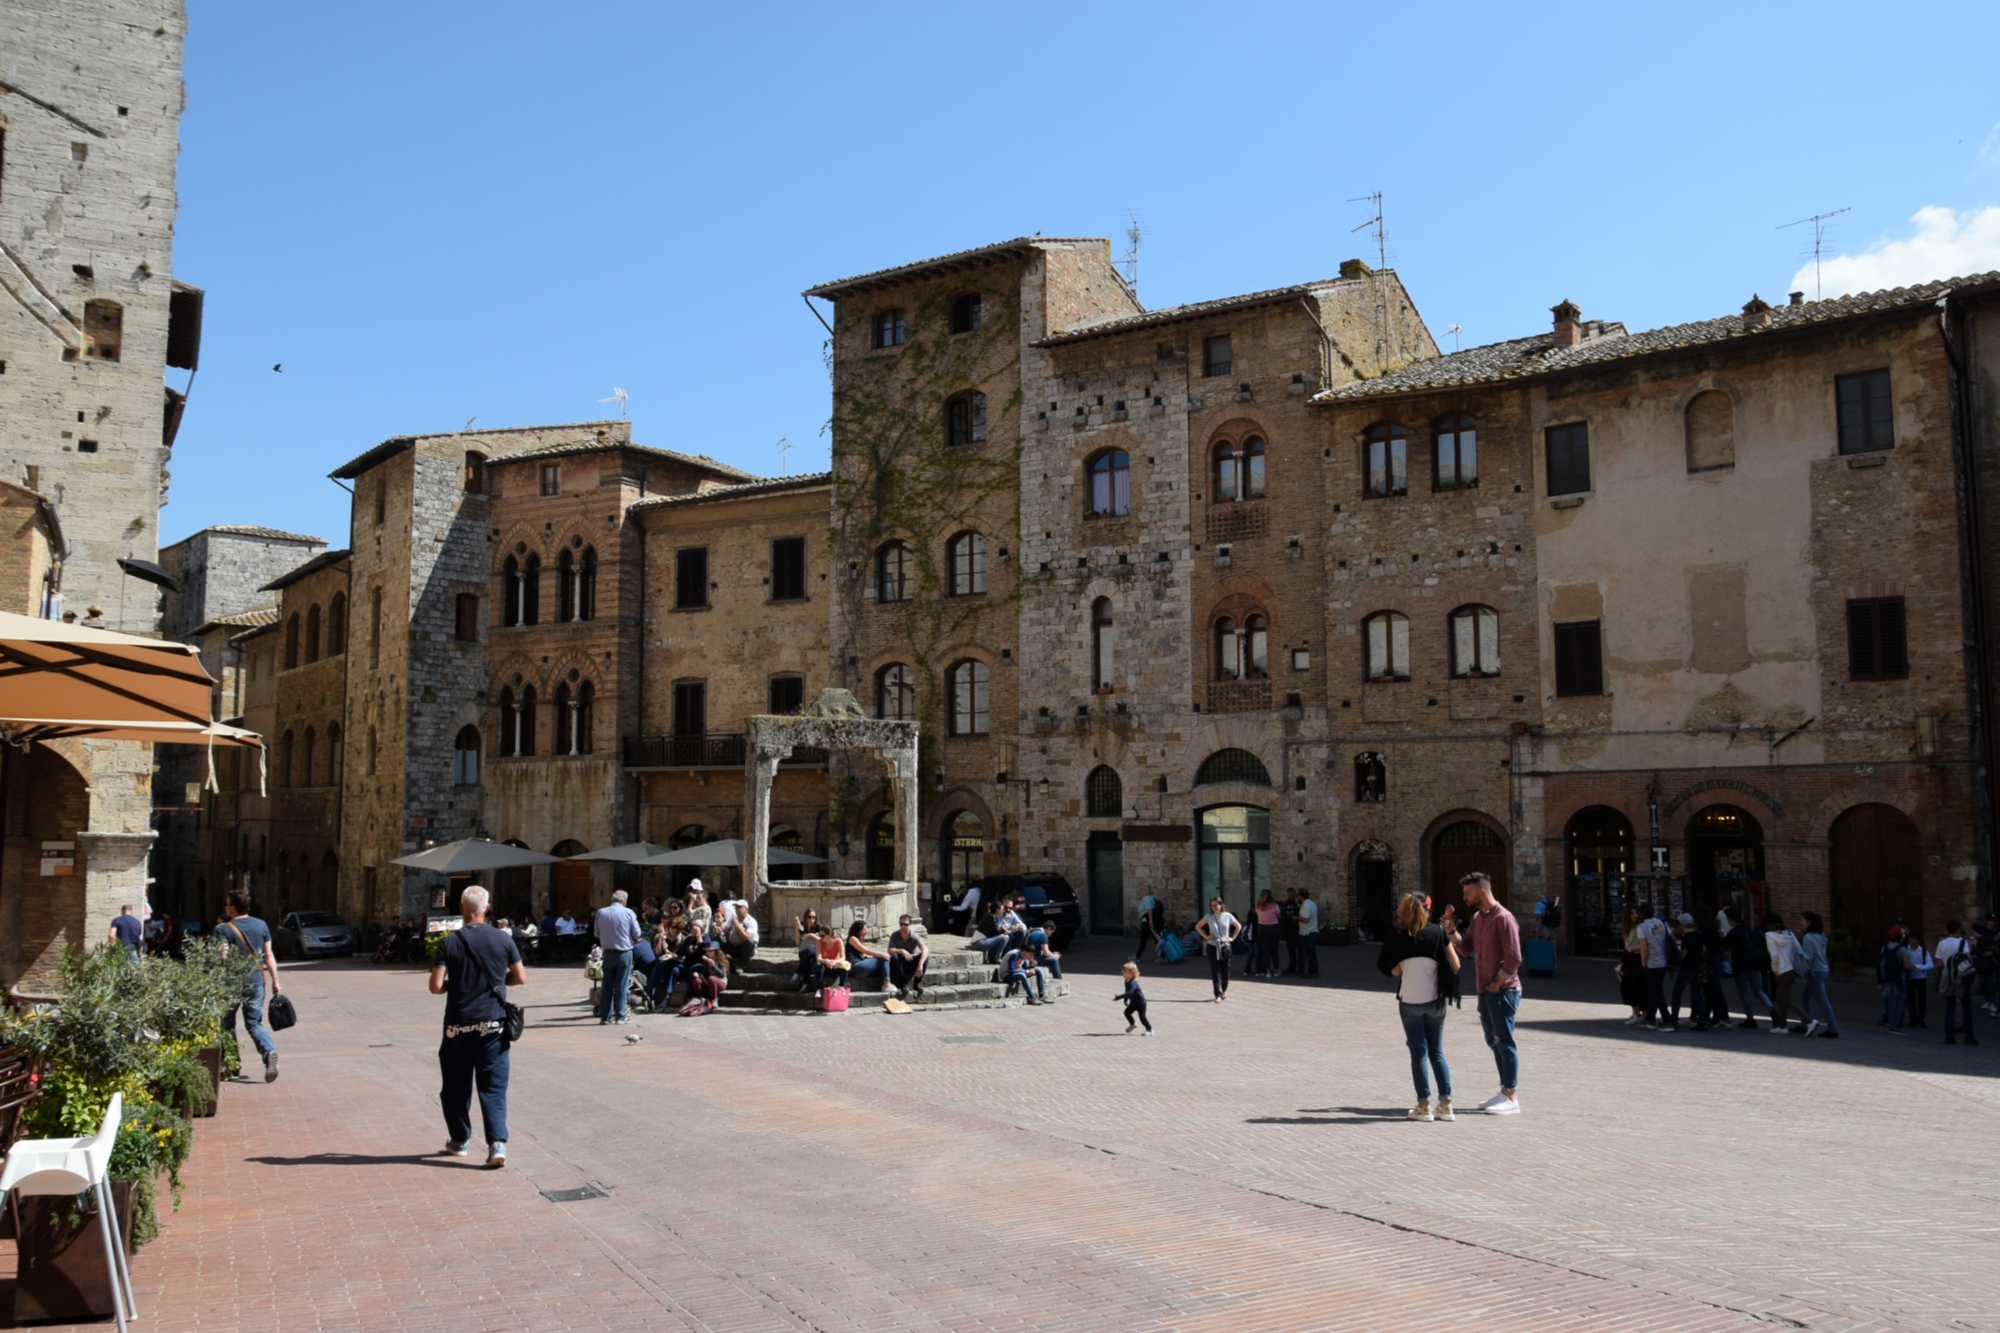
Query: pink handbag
[(833, 1000)]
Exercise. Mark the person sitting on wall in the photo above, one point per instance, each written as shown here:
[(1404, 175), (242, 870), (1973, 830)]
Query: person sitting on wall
[(987, 937), (739, 935), (805, 929), (907, 956), (864, 959)]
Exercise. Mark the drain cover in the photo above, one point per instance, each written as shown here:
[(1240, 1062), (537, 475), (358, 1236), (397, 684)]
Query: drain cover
[(968, 1039), (573, 1196)]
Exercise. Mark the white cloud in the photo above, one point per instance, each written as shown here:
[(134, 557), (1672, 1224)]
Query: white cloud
[(1947, 244)]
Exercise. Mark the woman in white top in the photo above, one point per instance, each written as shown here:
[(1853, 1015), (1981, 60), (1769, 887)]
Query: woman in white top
[(1421, 958), (1218, 931), (1916, 980), (1783, 947)]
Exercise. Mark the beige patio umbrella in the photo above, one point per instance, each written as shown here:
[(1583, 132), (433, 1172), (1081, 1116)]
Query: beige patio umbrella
[(60, 680)]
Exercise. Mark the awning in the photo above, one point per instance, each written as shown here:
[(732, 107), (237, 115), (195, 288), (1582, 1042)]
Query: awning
[(631, 851), (728, 852), (468, 855)]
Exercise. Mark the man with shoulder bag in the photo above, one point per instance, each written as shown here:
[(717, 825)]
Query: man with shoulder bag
[(475, 965), (240, 930)]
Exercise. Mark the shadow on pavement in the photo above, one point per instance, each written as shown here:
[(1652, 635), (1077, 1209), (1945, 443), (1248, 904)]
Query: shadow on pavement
[(363, 1159)]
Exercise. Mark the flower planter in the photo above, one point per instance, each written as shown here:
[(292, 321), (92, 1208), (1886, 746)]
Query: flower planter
[(59, 1270)]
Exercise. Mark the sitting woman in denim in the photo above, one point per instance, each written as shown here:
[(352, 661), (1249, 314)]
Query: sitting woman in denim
[(1421, 958), (806, 931), (863, 958)]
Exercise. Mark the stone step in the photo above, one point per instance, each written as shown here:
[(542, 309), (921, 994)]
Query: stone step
[(787, 960), (794, 1002), (769, 981)]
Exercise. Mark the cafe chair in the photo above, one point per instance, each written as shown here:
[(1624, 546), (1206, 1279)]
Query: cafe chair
[(73, 1166)]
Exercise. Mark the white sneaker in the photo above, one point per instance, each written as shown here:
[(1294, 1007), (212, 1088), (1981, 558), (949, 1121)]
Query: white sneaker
[(1421, 1111), (1443, 1111), (496, 1156), (1505, 1106), (1813, 1027), (452, 1150), (1495, 1100), (1635, 1020)]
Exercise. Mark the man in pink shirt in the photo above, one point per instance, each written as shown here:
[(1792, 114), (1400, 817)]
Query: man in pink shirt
[(1496, 965)]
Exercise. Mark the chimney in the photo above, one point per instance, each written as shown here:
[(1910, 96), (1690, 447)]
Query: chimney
[(1798, 298), (1354, 268), (1757, 314), (1569, 323)]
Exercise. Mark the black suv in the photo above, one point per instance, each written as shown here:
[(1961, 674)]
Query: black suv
[(1047, 901)]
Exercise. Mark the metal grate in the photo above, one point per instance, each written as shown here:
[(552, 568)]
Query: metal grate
[(1232, 766), (576, 1195), (968, 1040)]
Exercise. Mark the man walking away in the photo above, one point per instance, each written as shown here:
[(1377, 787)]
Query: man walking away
[(1653, 961), (1783, 946), (617, 933), (1309, 933), (475, 965), (1288, 931), (127, 933), (240, 930), (1889, 975), (1496, 966), (1687, 978), (1957, 974), (1749, 959)]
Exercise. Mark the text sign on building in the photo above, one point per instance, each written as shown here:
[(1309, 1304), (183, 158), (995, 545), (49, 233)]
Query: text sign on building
[(58, 858), (1660, 866)]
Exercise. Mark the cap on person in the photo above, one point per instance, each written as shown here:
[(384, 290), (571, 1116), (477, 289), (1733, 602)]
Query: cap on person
[(1687, 918)]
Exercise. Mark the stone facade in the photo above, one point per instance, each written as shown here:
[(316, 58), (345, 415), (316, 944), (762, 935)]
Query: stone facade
[(31, 550), (90, 103), (308, 734), (223, 570)]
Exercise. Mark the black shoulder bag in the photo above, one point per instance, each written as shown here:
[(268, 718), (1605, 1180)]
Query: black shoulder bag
[(512, 1020)]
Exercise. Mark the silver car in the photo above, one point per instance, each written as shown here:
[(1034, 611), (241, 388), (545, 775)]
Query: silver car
[(314, 935)]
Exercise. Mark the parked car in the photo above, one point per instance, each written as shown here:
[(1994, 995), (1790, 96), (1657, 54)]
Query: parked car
[(313, 935), (1047, 901)]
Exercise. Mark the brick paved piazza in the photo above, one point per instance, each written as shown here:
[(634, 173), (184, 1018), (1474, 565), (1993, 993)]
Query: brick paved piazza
[(1034, 1168)]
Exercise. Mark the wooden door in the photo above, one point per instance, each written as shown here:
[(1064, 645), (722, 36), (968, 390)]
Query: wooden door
[(570, 889), (1877, 873), (1461, 849)]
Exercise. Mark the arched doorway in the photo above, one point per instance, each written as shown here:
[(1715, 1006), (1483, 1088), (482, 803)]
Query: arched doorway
[(1371, 880), (1598, 847), (1235, 852), (1461, 848), (1877, 872), (569, 881), (882, 846), (1725, 863), (961, 854)]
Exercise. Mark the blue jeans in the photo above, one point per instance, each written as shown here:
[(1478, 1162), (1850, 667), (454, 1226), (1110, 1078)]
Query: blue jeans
[(1893, 1000), (617, 981), (1685, 981), (1815, 992), (1024, 977), (1423, 1029), (253, 1017), (474, 1059), (1497, 1010), (1749, 986), (869, 967), (1309, 955), (1956, 1004)]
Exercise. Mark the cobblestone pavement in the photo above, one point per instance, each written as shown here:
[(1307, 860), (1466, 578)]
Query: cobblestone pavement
[(1248, 1168)]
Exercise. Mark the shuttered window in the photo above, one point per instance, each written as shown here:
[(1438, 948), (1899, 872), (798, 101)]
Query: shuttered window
[(788, 569), (1866, 419), (691, 577), (1877, 643), (1569, 458), (1579, 658)]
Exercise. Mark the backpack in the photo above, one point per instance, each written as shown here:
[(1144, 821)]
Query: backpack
[(1959, 968), (1889, 967), (695, 1008)]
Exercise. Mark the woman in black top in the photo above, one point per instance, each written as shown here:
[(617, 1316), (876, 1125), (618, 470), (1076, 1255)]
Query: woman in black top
[(1421, 958)]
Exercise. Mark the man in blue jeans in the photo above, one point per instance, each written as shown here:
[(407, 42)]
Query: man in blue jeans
[(1496, 965), (475, 965), (240, 930), (617, 934)]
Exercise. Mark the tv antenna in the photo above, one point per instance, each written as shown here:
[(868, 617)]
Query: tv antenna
[(620, 397), (1820, 225), (785, 448), (1385, 349), (1130, 259), (1453, 331)]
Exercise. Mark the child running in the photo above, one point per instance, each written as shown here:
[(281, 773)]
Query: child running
[(1135, 1000)]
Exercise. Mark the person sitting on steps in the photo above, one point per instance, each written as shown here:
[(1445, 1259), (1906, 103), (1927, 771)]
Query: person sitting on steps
[(907, 955), (805, 929), (864, 959), (1022, 969)]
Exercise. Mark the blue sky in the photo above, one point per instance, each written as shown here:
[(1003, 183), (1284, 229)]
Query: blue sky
[(428, 212)]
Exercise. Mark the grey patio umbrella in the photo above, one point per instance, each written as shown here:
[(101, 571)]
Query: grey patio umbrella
[(631, 851), (727, 852), (473, 854)]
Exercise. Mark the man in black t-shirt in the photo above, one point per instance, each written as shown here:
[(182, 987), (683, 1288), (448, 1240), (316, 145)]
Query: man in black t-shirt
[(475, 965), (239, 930)]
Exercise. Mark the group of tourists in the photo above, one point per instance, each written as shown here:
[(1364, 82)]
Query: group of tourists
[(827, 958), (1964, 969), (1022, 952), (1290, 925)]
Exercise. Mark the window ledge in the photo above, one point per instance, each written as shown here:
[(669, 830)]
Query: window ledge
[(694, 608), (1566, 502), (1868, 460)]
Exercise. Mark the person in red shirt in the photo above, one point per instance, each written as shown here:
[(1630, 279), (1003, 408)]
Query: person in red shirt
[(1496, 966)]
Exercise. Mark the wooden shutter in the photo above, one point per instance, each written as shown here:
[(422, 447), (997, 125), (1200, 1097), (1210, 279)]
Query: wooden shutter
[(1877, 640), (1892, 650), (1579, 658), (1861, 659)]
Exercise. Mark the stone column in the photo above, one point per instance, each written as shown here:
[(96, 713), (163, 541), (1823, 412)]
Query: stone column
[(903, 764), (764, 758)]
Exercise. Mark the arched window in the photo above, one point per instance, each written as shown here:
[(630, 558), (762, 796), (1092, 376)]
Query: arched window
[(1475, 641), (965, 313), (336, 625), (889, 328), (1103, 645), (586, 585), (1385, 638), (965, 419), (895, 572), (531, 590), (1387, 461), (292, 641), (510, 592), (1110, 484), (1371, 778), (580, 730), (509, 727), (1711, 431), (565, 587), (1103, 793), (524, 723), (308, 760), (896, 692), (1456, 453), (1242, 652), (1239, 470), (966, 554), (312, 633), (970, 711), (562, 719), (465, 758), (1232, 766), (287, 747), (336, 754)]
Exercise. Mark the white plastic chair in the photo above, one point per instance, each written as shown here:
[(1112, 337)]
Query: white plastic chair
[(71, 1166)]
